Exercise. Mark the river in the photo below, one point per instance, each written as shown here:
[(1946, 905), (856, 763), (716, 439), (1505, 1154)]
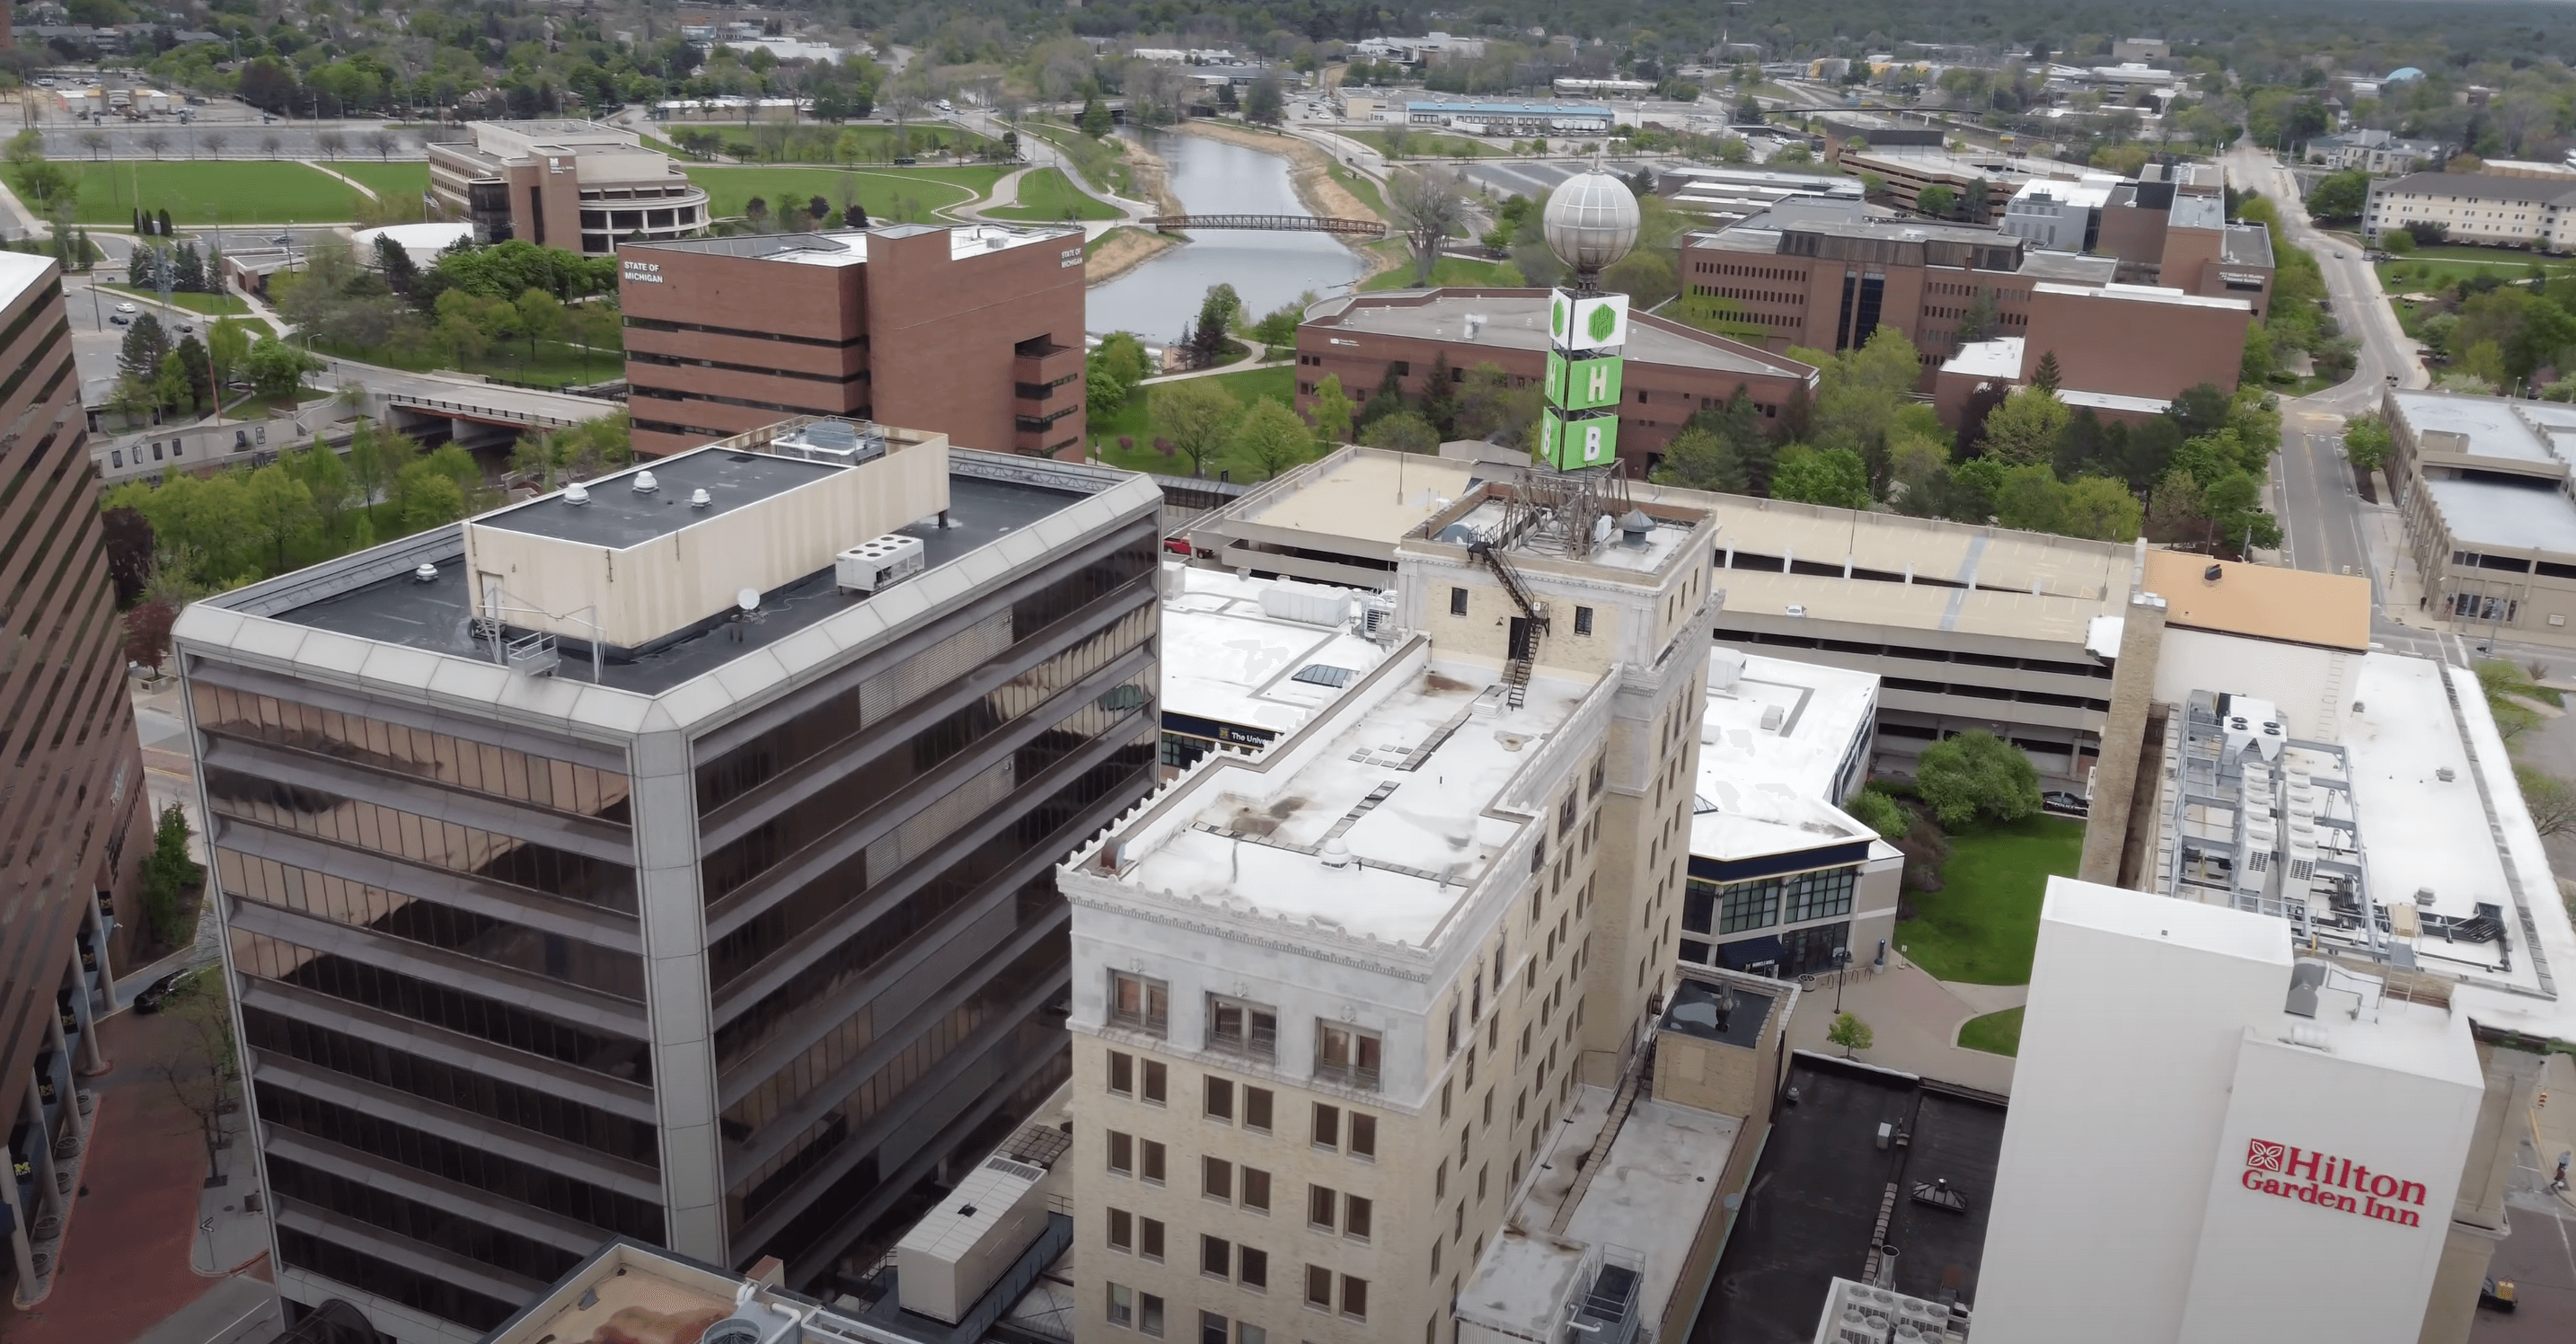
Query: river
[(1158, 298)]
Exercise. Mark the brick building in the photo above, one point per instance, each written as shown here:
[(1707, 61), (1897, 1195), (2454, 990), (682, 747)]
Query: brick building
[(74, 825), (1670, 371), (975, 332), (569, 184)]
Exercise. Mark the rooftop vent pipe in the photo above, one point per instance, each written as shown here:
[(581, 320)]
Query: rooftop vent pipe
[(576, 493), (698, 499), (645, 484), (425, 574)]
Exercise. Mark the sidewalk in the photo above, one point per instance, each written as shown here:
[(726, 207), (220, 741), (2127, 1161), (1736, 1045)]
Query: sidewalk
[(1914, 1019)]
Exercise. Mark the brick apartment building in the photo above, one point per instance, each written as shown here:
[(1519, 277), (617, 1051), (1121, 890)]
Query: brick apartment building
[(1670, 369), (74, 823), (975, 332), (569, 184)]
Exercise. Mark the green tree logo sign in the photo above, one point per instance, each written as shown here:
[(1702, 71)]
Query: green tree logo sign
[(1604, 322)]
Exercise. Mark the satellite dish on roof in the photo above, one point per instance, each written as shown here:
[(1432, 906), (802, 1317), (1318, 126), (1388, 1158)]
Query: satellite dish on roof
[(748, 599)]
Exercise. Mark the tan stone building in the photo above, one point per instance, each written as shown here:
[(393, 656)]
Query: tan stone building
[(2483, 488), (1331, 1001)]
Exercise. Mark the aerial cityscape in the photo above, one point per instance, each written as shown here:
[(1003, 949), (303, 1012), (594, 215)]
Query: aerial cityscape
[(1033, 672)]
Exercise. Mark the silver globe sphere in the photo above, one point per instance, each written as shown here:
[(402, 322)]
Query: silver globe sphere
[(1591, 221)]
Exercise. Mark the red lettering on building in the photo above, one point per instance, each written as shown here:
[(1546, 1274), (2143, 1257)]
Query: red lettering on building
[(2312, 1177)]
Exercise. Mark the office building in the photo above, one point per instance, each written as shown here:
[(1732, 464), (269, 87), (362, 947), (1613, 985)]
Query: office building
[(577, 185), (973, 331), (1539, 120), (2483, 490), (1670, 370), (2374, 152), (1781, 878), (1965, 626), (2477, 208), (74, 823), (668, 857), (2325, 841), (1333, 1000)]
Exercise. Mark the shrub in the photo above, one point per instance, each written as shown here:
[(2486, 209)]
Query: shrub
[(168, 872), (1975, 774)]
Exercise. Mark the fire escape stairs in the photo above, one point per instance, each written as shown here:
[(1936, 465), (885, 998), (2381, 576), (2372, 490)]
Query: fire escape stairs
[(1517, 667)]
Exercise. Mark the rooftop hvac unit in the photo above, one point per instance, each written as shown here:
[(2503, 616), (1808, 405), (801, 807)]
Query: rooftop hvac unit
[(1377, 617), (872, 566), (1306, 604), (835, 441), (952, 1256)]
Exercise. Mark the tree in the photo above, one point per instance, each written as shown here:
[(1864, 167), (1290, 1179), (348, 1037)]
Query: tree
[(1975, 773), (1196, 416), (1698, 458), (1428, 203), (2366, 440), (281, 511), (203, 1070), (2550, 800), (2510, 693), (276, 368), (145, 344), (1936, 200), (199, 370), (147, 634), (1401, 431), (394, 262), (2234, 505), (425, 497), (2339, 195), (1880, 813), (2101, 508), (541, 318), (2396, 242), (1849, 1032), (1269, 439), (1830, 476), (1095, 120), (1265, 104), (2047, 376), (227, 347), (1331, 412), (1123, 355), (2025, 428)]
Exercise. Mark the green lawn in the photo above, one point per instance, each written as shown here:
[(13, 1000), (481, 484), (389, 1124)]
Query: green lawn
[(1136, 419), (2402, 277), (1981, 926), (2493, 256), (1360, 184), (207, 192), (901, 194), (1423, 145), (808, 143), (556, 364), (1448, 271), (213, 305), (1047, 196), (1099, 160), (1995, 1033), (398, 177)]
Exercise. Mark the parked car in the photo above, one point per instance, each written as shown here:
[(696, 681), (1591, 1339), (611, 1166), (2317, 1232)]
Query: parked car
[(149, 1001), (127, 308), (2063, 801), (120, 319)]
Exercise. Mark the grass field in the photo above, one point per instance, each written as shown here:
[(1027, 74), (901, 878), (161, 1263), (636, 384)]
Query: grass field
[(1136, 419), (1097, 160), (556, 363), (901, 194), (209, 192), (1422, 145), (1047, 195), (213, 305), (1360, 185), (1982, 925), (1995, 1033), (1447, 271), (396, 178)]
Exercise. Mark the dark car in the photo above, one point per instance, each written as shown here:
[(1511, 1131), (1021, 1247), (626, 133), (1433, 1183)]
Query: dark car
[(2062, 801), (120, 319), (149, 1001)]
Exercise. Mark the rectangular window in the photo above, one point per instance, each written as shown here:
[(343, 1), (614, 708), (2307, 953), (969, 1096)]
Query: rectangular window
[(1122, 1074), (1583, 620), (1122, 1231), (1122, 1305), (1319, 1287), (1149, 1238), (1216, 1178), (1149, 1314), (1212, 1327), (1748, 905), (1252, 1269), (1346, 1055), (1122, 1154), (1440, 1181), (1328, 1126), (1354, 1298), (1218, 1096), (1241, 1028), (1363, 1135), (1817, 895), (1321, 1203), (1153, 1161), (1216, 1256), (1157, 1082), (1457, 601), (1139, 1004), (1256, 1109), (1356, 1217), (1256, 1189)]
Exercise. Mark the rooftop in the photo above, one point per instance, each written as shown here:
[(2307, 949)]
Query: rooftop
[(2479, 187), (1515, 109), (1815, 1198), (2535, 435), (2246, 245), (849, 247), (1378, 826), (2140, 294), (1359, 494), (1997, 358), (2197, 212), (2505, 515), (1254, 652), (620, 513), (20, 271), (1517, 320), (2261, 601), (1777, 743)]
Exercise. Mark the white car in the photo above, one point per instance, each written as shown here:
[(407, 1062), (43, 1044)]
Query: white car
[(127, 308)]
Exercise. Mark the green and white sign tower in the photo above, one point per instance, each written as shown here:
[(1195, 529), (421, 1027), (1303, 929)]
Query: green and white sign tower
[(1591, 222)]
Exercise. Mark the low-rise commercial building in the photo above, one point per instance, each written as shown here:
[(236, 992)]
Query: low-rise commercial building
[(1727, 195), (569, 184), (2477, 208), (2483, 488), (1671, 370), (2123, 351), (2374, 152), (1513, 119), (1334, 1001), (975, 331)]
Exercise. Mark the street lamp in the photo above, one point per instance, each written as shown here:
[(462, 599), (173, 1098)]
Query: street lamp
[(1842, 960)]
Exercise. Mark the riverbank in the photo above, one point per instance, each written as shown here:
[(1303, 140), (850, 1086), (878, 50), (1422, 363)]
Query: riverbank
[(1310, 178), (1150, 176), (1121, 250)]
